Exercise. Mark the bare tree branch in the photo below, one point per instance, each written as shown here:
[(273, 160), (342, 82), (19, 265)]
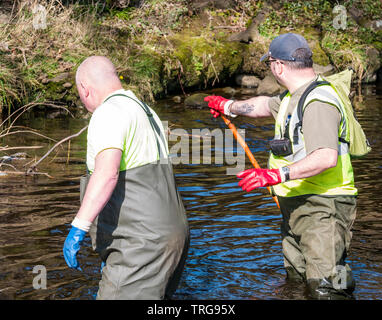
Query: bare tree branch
[(26, 108), (32, 168), (26, 131), (18, 148)]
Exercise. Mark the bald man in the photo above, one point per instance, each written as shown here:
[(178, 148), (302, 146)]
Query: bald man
[(130, 204)]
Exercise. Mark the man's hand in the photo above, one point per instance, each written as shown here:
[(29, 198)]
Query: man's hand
[(256, 178), (218, 105), (72, 246)]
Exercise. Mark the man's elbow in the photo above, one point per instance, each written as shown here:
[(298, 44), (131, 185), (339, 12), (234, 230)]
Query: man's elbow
[(325, 158), (109, 175), (110, 180), (113, 176), (331, 158)]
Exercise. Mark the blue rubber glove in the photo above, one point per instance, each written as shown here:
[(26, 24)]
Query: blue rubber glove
[(103, 264), (72, 246)]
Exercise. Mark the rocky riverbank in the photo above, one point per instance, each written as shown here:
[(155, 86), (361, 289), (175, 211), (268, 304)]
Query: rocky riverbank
[(176, 47)]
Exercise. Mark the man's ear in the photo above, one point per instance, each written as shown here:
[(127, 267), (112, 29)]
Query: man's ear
[(84, 89), (279, 68)]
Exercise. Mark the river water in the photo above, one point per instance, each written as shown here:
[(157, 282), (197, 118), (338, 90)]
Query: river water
[(235, 250)]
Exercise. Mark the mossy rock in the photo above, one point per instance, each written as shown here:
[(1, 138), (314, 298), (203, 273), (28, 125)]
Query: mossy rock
[(196, 101), (205, 60), (308, 32), (319, 56), (251, 58), (143, 70), (59, 88)]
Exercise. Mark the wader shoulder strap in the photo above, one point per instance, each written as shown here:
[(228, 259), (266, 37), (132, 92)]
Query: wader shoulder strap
[(300, 106), (154, 125), (283, 94)]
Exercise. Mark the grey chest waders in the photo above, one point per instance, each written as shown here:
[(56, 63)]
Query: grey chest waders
[(142, 233)]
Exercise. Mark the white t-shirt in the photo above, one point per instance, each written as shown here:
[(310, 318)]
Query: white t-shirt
[(121, 123)]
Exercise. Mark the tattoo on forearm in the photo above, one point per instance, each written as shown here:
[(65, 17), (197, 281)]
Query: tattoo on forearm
[(242, 109)]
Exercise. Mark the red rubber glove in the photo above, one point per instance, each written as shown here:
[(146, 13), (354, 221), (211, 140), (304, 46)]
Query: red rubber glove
[(256, 178), (216, 103)]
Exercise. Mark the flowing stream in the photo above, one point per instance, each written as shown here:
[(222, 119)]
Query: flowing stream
[(235, 250)]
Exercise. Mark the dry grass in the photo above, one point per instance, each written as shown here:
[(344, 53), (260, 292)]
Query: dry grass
[(30, 58), (346, 54), (30, 55)]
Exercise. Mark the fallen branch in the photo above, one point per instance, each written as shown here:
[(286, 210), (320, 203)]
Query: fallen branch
[(23, 173), (8, 165), (26, 108), (26, 131), (32, 168), (18, 148)]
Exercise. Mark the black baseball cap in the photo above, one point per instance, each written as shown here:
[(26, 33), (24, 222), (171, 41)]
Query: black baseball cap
[(284, 46)]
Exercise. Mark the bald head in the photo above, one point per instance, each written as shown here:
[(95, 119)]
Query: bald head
[(96, 78), (97, 70)]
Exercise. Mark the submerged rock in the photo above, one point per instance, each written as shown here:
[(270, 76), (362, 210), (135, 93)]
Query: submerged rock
[(196, 101), (177, 99), (250, 92), (269, 86), (247, 81), (229, 91)]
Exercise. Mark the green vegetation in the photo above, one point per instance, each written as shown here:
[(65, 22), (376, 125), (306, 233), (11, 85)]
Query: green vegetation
[(173, 45), (353, 46)]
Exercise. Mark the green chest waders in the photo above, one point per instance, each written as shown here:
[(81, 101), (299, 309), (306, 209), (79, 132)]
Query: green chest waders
[(142, 234)]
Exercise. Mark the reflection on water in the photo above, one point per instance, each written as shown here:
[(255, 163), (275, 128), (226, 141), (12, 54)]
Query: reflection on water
[(235, 248)]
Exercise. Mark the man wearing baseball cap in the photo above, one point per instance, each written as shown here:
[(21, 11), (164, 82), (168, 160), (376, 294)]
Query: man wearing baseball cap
[(309, 168)]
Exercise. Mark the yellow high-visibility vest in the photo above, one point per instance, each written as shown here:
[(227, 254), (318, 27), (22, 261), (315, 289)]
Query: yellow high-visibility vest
[(338, 180)]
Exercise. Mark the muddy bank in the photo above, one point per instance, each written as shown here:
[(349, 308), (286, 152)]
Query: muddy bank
[(175, 47)]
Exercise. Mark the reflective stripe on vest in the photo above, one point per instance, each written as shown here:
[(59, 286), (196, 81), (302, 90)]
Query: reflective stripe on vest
[(334, 181)]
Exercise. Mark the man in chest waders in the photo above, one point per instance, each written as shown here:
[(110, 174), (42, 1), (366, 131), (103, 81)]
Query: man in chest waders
[(131, 207), (309, 169)]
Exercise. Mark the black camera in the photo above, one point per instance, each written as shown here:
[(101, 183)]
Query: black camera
[(281, 147)]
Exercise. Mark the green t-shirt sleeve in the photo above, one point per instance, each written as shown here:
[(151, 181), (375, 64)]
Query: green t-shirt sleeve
[(320, 126)]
